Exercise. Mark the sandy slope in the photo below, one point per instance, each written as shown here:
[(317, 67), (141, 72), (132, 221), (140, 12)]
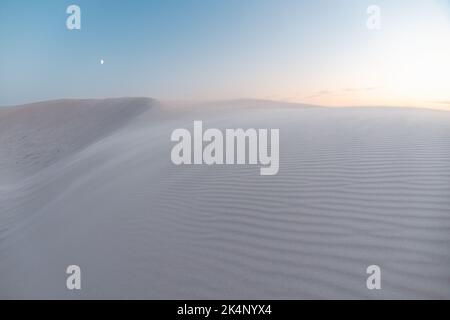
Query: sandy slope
[(356, 187), (40, 134)]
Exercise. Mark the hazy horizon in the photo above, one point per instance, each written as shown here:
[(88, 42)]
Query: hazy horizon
[(197, 102), (311, 52)]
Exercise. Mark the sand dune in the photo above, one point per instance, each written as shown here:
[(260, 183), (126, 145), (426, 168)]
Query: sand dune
[(40, 134), (90, 182)]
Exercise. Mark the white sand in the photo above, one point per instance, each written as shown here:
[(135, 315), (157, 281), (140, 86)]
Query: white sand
[(90, 182)]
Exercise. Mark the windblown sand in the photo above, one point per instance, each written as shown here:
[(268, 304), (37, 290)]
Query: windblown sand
[(91, 183)]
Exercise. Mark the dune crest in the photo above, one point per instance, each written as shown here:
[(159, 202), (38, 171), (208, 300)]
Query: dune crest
[(36, 135)]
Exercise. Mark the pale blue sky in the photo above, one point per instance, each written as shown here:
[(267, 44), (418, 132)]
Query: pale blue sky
[(312, 51)]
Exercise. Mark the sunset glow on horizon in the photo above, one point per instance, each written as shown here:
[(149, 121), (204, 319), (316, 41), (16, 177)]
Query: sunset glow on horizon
[(315, 52)]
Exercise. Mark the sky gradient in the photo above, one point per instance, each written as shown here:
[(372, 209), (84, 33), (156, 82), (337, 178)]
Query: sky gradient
[(318, 52)]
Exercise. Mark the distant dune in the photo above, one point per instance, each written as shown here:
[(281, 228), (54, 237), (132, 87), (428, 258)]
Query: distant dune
[(90, 182)]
